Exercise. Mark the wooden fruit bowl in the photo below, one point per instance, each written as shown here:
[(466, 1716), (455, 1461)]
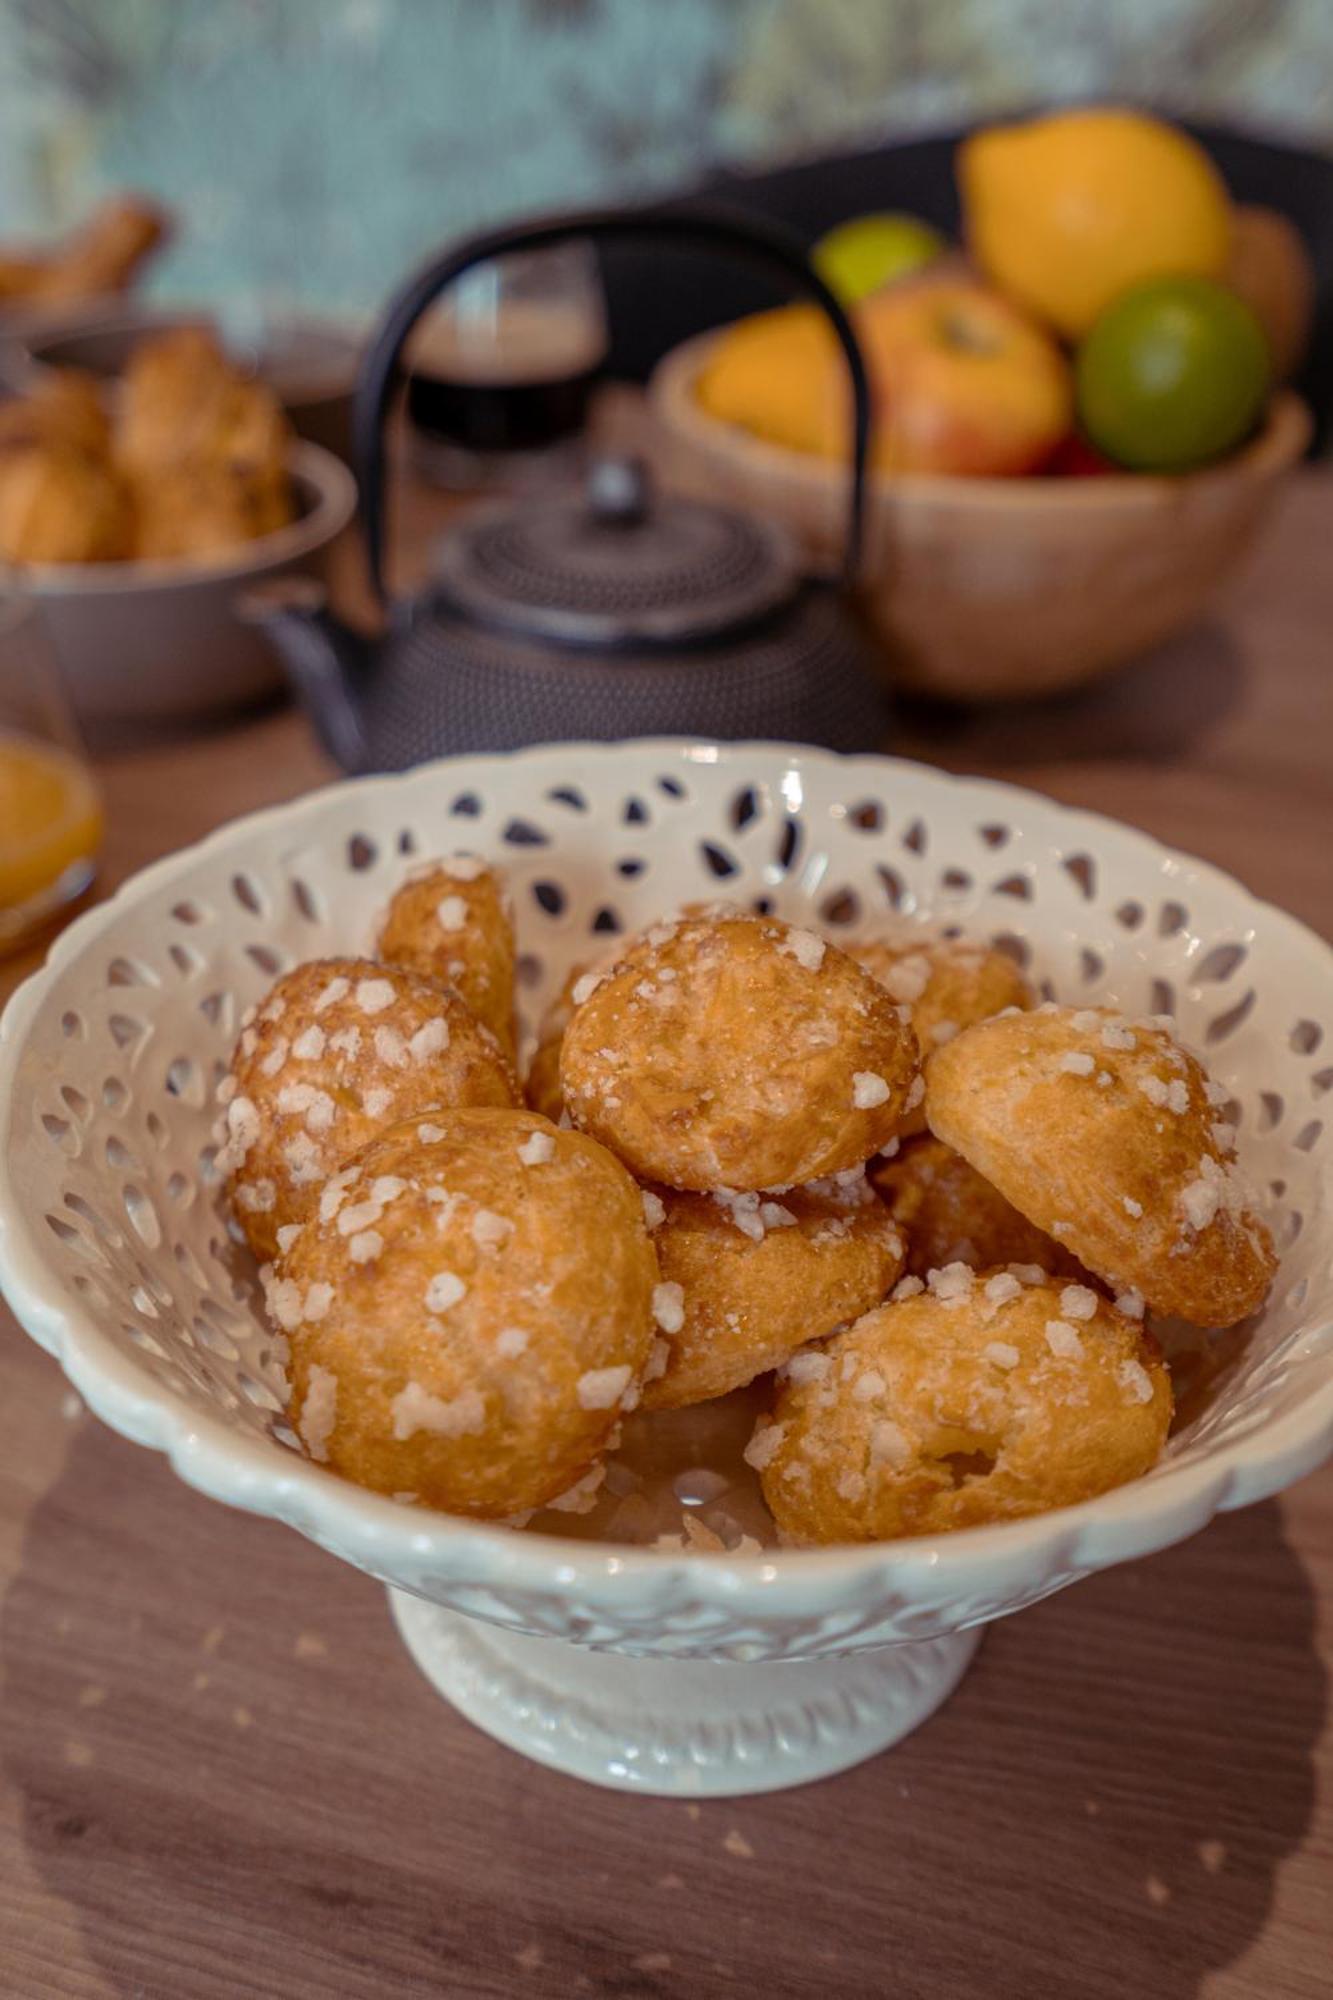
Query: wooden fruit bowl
[(998, 589)]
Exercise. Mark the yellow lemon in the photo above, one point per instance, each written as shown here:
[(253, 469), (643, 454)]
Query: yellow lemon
[(861, 256), (1064, 213), (49, 817)]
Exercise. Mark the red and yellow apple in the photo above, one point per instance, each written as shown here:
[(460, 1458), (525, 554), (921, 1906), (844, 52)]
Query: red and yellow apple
[(963, 381)]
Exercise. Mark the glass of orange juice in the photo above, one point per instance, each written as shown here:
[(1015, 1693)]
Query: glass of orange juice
[(50, 817)]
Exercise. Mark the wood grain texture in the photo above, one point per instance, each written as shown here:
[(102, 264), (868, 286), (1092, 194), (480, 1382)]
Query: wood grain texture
[(221, 1776), (994, 587)]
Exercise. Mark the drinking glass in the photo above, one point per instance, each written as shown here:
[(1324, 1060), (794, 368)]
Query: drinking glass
[(50, 817), (503, 367)]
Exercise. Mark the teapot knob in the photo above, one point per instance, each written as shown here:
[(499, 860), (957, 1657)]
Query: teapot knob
[(619, 492)]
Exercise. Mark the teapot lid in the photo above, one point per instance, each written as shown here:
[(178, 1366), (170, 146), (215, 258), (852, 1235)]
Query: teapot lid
[(616, 565)]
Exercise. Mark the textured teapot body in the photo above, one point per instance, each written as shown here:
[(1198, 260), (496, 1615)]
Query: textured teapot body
[(438, 684)]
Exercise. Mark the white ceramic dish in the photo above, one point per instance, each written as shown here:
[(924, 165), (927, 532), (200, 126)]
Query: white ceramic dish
[(686, 1673), (160, 641)]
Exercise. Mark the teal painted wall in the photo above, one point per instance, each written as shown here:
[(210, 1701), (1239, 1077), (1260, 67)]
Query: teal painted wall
[(316, 148)]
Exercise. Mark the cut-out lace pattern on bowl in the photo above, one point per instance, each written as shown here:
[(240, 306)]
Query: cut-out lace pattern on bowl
[(112, 1113)]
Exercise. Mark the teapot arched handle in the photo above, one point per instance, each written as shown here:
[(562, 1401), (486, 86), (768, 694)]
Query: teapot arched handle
[(715, 227)]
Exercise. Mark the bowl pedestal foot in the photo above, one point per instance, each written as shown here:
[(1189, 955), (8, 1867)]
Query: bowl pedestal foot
[(681, 1728)]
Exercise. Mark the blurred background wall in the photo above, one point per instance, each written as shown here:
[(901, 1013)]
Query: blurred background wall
[(318, 147)]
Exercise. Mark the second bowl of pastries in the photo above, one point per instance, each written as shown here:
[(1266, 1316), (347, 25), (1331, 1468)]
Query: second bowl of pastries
[(139, 511)]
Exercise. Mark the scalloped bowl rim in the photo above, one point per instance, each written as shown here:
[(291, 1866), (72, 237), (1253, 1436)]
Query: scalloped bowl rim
[(1278, 443), (315, 467), (264, 1477)]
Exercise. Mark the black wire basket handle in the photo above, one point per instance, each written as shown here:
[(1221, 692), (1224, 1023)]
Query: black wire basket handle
[(759, 242)]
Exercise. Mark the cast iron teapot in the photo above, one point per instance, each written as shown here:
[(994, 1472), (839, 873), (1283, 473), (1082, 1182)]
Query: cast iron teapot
[(607, 612)]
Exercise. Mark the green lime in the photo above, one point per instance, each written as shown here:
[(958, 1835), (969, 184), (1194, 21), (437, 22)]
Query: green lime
[(860, 256), (1174, 373)]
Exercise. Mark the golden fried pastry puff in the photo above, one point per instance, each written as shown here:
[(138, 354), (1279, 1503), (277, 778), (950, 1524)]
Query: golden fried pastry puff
[(1109, 1136), (951, 1215), (541, 1086), (172, 394), (205, 449), (252, 432), (167, 390), (195, 512), (452, 921), (469, 1309), (59, 506), (21, 274), (339, 1049), (100, 257), (975, 1398), (749, 1278), (945, 983), (733, 1051), (63, 408), (103, 255), (183, 399)]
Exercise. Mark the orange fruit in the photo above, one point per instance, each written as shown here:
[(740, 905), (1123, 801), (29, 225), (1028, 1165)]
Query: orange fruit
[(1065, 212), (777, 374)]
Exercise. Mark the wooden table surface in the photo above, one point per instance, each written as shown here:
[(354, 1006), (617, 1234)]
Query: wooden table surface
[(221, 1776)]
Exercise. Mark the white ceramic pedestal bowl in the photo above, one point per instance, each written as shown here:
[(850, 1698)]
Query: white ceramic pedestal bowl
[(685, 1673)]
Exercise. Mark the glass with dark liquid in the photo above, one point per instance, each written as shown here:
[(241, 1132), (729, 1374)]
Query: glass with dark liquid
[(502, 369)]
